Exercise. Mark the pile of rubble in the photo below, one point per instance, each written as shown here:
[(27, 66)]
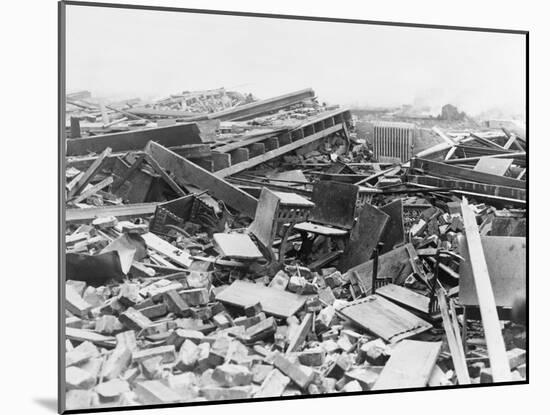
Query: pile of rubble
[(261, 251)]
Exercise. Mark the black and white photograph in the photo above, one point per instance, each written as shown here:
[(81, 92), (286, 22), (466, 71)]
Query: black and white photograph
[(265, 207)]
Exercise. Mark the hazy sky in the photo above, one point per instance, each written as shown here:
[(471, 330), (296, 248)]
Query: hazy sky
[(128, 53)]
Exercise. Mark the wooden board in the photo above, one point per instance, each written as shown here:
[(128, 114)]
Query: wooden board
[(197, 176), (410, 365), (236, 245), (274, 301), (394, 233), (83, 180), (173, 253), (173, 135), (506, 259), (405, 297), (364, 236), (454, 341), (394, 264), (384, 318), (493, 166), (120, 212), (320, 229), (491, 325)]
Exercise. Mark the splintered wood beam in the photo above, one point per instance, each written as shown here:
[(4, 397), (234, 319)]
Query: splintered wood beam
[(197, 176), (237, 168), (301, 334), (455, 345), (89, 174), (500, 367), (77, 215), (93, 190)]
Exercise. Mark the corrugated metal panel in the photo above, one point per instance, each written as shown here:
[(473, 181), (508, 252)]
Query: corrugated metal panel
[(393, 141)]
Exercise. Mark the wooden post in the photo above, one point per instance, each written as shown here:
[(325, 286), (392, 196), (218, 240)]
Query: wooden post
[(500, 367)]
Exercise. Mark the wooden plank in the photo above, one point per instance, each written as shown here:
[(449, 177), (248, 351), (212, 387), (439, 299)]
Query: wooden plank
[(152, 112), (435, 168), (174, 254), (274, 301), (444, 136), (254, 109), (384, 318), (120, 212), (405, 297), (197, 176), (89, 174), (454, 342), (93, 190), (486, 141), (237, 245), (410, 365), (320, 229), (277, 152), (491, 324), (170, 136), (508, 144), (506, 260), (300, 335)]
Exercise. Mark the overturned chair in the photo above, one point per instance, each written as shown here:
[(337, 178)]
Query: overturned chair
[(276, 212)]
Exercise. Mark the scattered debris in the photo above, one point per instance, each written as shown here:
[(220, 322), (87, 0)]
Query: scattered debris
[(222, 247)]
